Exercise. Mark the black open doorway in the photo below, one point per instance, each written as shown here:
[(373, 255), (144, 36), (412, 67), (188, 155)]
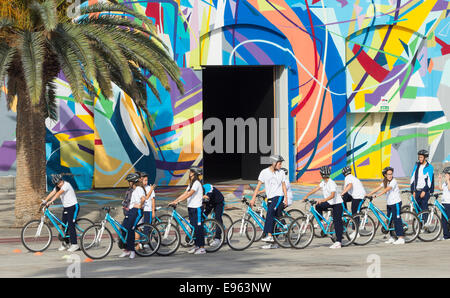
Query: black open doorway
[(234, 92)]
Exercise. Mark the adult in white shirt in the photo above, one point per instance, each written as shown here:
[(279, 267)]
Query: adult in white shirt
[(332, 199), (353, 190), (275, 185), (445, 200), (194, 197), (389, 186), (66, 193)]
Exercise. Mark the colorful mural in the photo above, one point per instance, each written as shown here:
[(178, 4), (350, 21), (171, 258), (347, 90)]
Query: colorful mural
[(366, 80)]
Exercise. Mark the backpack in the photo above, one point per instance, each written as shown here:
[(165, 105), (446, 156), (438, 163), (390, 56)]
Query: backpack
[(127, 198)]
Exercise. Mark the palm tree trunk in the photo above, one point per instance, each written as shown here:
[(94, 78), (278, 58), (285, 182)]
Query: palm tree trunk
[(30, 151)]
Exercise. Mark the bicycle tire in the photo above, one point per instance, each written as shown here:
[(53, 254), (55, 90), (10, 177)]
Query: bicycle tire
[(411, 226), (46, 239), (81, 224), (365, 232), (151, 244), (259, 232), (301, 229), (186, 240), (295, 213), (280, 231), (87, 246), (170, 239), (210, 227), (236, 231), (349, 226), (433, 230)]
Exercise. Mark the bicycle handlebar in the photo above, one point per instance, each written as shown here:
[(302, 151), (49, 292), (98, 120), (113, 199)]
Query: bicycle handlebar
[(436, 195)]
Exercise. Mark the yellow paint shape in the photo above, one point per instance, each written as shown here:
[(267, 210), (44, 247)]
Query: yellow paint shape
[(179, 102)]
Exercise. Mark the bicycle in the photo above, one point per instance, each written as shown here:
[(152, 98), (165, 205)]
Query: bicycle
[(244, 230), (172, 236), (38, 231), (430, 225), (301, 231), (410, 222), (97, 240)]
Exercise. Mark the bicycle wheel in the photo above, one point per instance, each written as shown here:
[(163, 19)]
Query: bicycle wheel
[(300, 233), (366, 228), (241, 234), (377, 222), (211, 227), (166, 217), (36, 236), (96, 242), (411, 225), (81, 224), (350, 231), (170, 238), (259, 231), (430, 226), (227, 221), (280, 231), (186, 240), (294, 213), (148, 240)]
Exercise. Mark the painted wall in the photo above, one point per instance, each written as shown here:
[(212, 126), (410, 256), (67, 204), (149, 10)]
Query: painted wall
[(366, 81)]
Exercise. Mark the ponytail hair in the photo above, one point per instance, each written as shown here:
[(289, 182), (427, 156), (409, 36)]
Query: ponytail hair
[(196, 178)]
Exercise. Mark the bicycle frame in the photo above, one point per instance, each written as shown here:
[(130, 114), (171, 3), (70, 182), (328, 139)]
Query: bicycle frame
[(259, 220), (378, 213), (440, 207), (319, 218), (56, 222), (118, 228)]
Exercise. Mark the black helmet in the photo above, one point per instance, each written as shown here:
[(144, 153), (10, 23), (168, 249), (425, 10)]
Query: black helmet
[(346, 171), (276, 158), (143, 174), (196, 170), (325, 171), (285, 171), (133, 177), (423, 152), (446, 170), (56, 178), (386, 169)]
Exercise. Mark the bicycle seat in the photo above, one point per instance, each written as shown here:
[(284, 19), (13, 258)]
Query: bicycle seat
[(108, 208), (370, 198), (405, 191), (436, 195)]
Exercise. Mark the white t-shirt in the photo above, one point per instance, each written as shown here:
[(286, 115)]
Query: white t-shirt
[(272, 182), (136, 196), (195, 200), (68, 197), (329, 187), (421, 178), (289, 192), (357, 191), (445, 194), (393, 196), (148, 204)]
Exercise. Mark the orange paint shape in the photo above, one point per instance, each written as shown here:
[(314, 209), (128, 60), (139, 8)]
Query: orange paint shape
[(17, 251), (88, 260), (38, 253)]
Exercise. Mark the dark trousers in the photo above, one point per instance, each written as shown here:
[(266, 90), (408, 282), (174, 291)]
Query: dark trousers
[(130, 223), (422, 202), (196, 220), (356, 204), (444, 221), (394, 210), (320, 208), (218, 212), (148, 220), (273, 206), (69, 217), (337, 212)]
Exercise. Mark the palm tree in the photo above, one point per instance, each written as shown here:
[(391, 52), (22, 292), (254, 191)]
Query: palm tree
[(38, 40)]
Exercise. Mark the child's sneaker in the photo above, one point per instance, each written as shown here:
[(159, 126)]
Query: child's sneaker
[(132, 255), (63, 247), (336, 245), (399, 241), (200, 251), (390, 241), (125, 254), (267, 239), (73, 248), (193, 250)]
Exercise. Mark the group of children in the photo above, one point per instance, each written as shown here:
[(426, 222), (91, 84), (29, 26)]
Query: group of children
[(139, 202)]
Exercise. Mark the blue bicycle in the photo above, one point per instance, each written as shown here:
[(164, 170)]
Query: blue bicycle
[(301, 231), (37, 236), (97, 241), (431, 226), (242, 232), (177, 231), (368, 226)]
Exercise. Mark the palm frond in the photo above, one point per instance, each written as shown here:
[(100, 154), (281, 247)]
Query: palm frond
[(6, 56), (103, 76), (103, 7), (45, 14), (32, 53), (50, 99)]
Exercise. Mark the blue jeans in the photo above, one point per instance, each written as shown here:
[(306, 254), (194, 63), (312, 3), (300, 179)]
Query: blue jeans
[(398, 225), (273, 206), (69, 218), (196, 220)]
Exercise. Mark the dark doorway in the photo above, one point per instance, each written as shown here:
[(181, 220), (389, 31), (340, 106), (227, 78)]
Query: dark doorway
[(245, 92)]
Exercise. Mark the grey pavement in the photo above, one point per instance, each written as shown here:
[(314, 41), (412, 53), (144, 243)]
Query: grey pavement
[(417, 259)]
